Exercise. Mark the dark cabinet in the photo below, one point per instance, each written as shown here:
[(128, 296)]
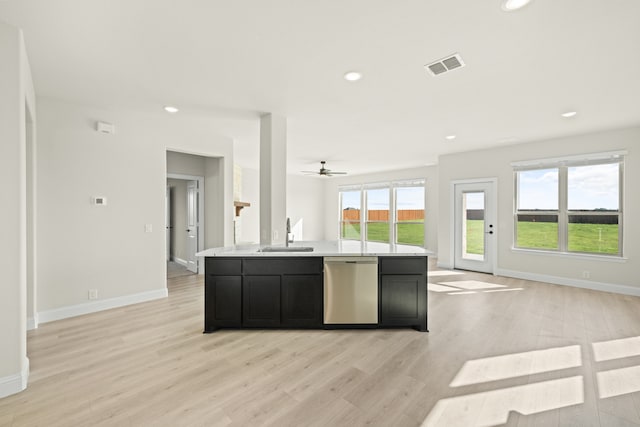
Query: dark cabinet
[(222, 302), (263, 292), (403, 292), (261, 301), (302, 301)]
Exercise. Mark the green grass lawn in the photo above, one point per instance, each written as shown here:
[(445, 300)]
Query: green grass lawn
[(408, 234), (590, 238)]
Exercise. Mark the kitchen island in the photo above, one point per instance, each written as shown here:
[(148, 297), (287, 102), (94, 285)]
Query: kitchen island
[(323, 285)]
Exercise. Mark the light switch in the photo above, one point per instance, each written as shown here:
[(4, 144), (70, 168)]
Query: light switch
[(148, 228)]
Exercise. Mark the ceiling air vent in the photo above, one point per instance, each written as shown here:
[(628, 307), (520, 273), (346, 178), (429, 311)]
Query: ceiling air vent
[(445, 64)]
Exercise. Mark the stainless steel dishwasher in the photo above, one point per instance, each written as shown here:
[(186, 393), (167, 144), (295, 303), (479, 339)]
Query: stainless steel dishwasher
[(351, 290)]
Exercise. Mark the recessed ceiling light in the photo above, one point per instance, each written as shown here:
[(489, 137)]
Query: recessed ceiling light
[(352, 76), (569, 114), (450, 137), (170, 109), (510, 5)]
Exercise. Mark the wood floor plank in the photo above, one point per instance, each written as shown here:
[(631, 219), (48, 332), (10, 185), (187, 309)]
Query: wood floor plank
[(150, 364)]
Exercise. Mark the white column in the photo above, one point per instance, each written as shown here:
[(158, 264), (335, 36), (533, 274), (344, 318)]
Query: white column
[(273, 179), (14, 365)]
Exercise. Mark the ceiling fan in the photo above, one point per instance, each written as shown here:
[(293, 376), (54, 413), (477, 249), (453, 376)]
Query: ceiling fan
[(324, 171)]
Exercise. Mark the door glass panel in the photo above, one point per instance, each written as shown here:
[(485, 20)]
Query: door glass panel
[(473, 225)]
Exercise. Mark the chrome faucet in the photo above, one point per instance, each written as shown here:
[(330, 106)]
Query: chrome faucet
[(287, 241)]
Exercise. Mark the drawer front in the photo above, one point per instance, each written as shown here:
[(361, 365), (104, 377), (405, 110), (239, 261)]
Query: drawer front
[(223, 266), (282, 265), (403, 265)]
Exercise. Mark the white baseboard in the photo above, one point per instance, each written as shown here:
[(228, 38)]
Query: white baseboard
[(15, 383), (32, 322), (94, 306), (180, 261), (445, 266), (578, 283)]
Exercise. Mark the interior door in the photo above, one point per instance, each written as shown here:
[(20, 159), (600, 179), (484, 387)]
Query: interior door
[(475, 226), (167, 222), (192, 225)]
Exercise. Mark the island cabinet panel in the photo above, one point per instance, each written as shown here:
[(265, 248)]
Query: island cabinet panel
[(222, 302), (302, 301), (403, 292), (261, 301)]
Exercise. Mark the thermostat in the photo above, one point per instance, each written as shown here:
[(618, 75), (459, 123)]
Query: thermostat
[(99, 200)]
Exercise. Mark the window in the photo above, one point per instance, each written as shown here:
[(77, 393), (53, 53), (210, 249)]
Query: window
[(350, 221), (570, 205), (377, 214), (394, 212), (409, 218)]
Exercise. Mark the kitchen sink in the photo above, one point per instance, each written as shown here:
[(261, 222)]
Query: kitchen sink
[(286, 249)]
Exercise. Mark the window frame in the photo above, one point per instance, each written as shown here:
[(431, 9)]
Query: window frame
[(364, 211), (563, 212)]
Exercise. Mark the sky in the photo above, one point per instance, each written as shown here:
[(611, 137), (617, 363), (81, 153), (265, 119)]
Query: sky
[(590, 187)]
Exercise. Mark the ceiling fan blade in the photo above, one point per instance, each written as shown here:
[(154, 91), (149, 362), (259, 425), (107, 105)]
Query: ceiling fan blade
[(309, 171), (338, 173)]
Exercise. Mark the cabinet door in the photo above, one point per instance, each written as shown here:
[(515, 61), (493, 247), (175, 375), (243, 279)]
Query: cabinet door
[(302, 300), (223, 302), (261, 301), (403, 300)]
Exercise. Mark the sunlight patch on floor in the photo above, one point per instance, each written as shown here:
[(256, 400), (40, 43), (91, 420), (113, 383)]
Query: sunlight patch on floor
[(492, 408), (616, 382), (616, 349), (444, 273), (440, 288), (462, 293), (472, 284), (517, 365), (504, 290)]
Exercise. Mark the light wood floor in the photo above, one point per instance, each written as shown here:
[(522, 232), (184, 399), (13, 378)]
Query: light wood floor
[(530, 354)]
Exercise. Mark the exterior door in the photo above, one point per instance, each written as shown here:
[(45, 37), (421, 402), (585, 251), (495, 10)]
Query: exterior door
[(192, 225), (475, 226)]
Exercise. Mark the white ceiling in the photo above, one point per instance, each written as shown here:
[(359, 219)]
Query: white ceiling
[(234, 60)]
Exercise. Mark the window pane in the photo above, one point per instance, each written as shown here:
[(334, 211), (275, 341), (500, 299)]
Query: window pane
[(378, 215), (537, 231), (538, 189), (473, 226), (594, 188), (350, 221), (410, 234), (593, 233), (410, 215)]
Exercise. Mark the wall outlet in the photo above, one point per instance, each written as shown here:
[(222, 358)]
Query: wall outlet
[(275, 234), (93, 294), (148, 228), (586, 274)]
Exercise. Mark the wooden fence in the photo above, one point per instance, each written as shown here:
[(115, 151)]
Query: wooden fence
[(383, 215)]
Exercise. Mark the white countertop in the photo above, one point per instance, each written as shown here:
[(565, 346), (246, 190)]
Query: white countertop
[(321, 248)]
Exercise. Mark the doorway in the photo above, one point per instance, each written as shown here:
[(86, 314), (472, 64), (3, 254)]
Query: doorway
[(184, 214), (474, 225)]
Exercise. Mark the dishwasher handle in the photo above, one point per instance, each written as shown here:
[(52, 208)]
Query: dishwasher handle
[(351, 260)]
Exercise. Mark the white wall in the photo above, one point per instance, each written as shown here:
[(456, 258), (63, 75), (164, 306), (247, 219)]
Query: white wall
[(16, 98), (556, 269), (84, 247), (305, 206), (250, 216), (429, 173)]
